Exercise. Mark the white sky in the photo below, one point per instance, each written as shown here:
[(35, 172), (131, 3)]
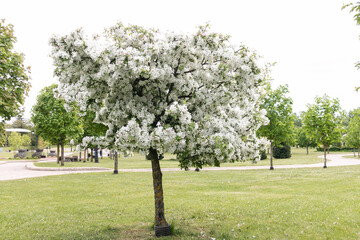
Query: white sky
[(314, 42)]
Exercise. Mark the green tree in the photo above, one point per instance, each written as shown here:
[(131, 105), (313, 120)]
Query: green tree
[(304, 141), (14, 77), (323, 122), (52, 122), (25, 140), (15, 141), (352, 137), (20, 122), (281, 119)]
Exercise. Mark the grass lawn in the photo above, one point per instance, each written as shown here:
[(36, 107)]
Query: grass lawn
[(138, 161), (254, 204), (7, 155)]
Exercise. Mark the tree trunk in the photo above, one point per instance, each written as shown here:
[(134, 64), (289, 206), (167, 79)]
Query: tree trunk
[(160, 220), (358, 152), (91, 154), (325, 157), (80, 156), (96, 154), (307, 150), (116, 164), (57, 153), (84, 155), (271, 157), (62, 154), (354, 151)]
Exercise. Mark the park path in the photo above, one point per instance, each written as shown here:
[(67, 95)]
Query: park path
[(12, 170)]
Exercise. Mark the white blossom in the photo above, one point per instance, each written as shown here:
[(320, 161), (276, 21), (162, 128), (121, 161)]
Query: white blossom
[(197, 96)]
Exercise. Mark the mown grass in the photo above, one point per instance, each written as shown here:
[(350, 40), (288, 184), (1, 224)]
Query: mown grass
[(254, 204), (299, 156)]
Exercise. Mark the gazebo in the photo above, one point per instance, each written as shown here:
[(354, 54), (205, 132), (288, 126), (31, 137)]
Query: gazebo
[(19, 130)]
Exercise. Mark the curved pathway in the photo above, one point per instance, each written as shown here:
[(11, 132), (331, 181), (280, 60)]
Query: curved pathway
[(25, 169)]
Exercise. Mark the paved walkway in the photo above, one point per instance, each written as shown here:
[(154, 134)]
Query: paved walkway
[(25, 169)]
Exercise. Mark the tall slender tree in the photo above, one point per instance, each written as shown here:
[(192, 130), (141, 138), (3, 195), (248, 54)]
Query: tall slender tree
[(280, 128), (323, 122), (52, 122), (303, 140)]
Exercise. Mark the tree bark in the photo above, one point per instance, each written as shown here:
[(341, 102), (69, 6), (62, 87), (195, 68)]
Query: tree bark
[(91, 154), (354, 151), (80, 156), (96, 154), (325, 157), (84, 155), (116, 164), (57, 153), (307, 150), (160, 220), (62, 154), (271, 157)]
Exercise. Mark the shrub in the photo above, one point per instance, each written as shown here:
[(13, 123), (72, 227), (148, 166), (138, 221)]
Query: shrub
[(336, 149), (263, 155), (282, 151)]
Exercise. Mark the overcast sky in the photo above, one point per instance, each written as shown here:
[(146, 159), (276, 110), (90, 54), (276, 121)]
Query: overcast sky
[(314, 43)]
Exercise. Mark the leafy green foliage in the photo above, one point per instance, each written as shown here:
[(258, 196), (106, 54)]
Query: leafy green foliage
[(323, 121), (14, 77), (352, 137), (51, 121), (303, 140), (16, 141), (281, 119), (282, 151)]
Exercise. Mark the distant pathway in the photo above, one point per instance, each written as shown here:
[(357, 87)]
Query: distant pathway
[(25, 169)]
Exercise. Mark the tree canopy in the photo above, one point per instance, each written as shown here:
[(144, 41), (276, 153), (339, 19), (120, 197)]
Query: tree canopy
[(280, 129), (352, 137), (323, 121), (196, 96), (14, 76), (51, 121)]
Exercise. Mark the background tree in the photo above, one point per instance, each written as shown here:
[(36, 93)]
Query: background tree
[(93, 129), (14, 77), (192, 95), (303, 140), (17, 140), (352, 137), (280, 128), (52, 122), (20, 122), (323, 122)]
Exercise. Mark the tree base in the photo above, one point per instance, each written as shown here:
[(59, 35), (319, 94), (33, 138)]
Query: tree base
[(162, 231), (116, 171), (324, 166), (271, 168)]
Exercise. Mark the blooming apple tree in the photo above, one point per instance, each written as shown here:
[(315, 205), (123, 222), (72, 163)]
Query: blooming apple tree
[(196, 96)]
